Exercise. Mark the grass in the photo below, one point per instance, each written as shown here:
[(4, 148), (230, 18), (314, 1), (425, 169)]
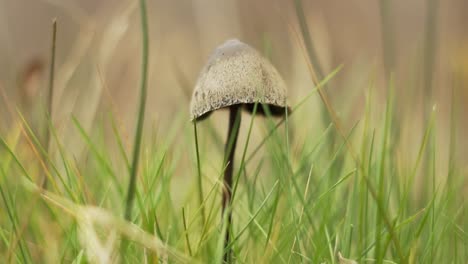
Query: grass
[(288, 207), (297, 199)]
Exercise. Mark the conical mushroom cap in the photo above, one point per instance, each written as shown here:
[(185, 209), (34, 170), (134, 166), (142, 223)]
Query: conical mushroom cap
[(237, 74)]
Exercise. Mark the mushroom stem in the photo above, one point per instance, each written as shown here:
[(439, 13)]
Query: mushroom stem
[(230, 148)]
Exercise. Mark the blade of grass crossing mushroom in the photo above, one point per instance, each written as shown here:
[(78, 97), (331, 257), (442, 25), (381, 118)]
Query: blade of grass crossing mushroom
[(199, 175), (244, 151), (184, 83)]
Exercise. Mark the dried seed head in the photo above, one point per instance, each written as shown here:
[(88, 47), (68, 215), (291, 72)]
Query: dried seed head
[(237, 74)]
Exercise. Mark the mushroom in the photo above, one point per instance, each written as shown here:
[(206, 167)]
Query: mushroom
[(236, 77)]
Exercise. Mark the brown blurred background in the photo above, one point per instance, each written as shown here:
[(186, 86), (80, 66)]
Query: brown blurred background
[(98, 55)]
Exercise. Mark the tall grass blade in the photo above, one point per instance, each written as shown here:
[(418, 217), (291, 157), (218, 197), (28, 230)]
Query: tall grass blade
[(141, 113), (46, 143)]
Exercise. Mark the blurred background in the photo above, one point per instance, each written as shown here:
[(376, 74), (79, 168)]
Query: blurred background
[(421, 45)]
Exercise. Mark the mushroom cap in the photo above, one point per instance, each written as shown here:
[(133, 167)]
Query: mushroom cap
[(237, 74)]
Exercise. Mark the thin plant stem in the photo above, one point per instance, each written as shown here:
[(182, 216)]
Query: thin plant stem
[(199, 178), (50, 95), (230, 148), (141, 112), (141, 117)]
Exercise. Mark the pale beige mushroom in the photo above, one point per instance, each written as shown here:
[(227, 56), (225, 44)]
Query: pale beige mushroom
[(236, 76)]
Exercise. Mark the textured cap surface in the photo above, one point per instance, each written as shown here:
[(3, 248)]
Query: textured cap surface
[(236, 74)]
